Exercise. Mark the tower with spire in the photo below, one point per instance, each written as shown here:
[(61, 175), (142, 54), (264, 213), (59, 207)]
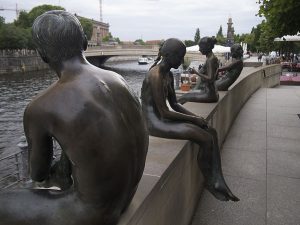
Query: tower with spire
[(230, 33)]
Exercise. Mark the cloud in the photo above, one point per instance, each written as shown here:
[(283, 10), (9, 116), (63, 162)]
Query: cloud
[(158, 19)]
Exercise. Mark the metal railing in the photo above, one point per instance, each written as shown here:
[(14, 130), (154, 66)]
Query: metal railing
[(14, 170)]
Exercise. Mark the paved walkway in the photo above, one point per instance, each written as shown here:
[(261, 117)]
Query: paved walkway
[(261, 164)]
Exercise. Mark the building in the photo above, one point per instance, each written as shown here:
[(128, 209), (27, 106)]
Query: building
[(100, 30), (230, 33), (154, 42)]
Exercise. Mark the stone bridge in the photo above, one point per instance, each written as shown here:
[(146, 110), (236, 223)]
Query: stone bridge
[(98, 55)]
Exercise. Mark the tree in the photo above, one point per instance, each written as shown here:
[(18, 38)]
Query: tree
[(87, 26), (26, 20), (221, 40), (23, 20), (197, 36), (107, 37), (189, 43), (220, 32), (139, 42), (282, 16), (266, 39), (12, 37), (2, 21)]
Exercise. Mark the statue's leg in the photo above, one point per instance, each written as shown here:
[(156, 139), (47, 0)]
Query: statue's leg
[(197, 96), (209, 162), (223, 84)]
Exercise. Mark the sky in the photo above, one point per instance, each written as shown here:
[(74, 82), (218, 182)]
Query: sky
[(155, 19)]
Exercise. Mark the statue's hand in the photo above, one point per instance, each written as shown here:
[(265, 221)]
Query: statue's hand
[(201, 122), (192, 70)]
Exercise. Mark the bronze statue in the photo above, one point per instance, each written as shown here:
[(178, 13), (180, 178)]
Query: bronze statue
[(208, 74), (158, 87), (100, 126), (233, 70)]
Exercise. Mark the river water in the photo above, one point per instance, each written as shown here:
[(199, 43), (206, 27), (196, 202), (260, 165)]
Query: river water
[(17, 90)]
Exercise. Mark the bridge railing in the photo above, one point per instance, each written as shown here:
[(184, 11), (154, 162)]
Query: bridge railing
[(123, 46)]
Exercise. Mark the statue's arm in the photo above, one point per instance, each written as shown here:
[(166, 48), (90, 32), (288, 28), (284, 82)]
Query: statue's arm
[(173, 100), (230, 66), (40, 147), (199, 73), (157, 90)]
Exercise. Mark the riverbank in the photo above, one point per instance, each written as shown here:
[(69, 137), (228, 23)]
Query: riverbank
[(21, 64)]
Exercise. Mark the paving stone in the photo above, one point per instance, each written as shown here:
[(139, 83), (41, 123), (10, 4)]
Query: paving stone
[(245, 164), (246, 141), (283, 144), (283, 163), (241, 126), (283, 131), (250, 210), (283, 201), (279, 118)]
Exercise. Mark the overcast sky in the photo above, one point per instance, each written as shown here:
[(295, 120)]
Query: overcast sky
[(155, 19)]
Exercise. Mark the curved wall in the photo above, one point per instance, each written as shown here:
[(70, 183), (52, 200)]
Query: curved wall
[(170, 196)]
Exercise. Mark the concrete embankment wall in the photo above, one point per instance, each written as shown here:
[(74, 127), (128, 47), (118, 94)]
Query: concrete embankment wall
[(171, 185), (17, 64)]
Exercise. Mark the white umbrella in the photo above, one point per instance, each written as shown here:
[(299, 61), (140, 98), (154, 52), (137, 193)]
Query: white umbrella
[(216, 49), (288, 38)]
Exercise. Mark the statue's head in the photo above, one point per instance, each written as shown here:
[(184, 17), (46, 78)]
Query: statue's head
[(173, 51), (58, 36), (206, 44), (236, 51)]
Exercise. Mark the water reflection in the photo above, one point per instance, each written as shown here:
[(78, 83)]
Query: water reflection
[(18, 89)]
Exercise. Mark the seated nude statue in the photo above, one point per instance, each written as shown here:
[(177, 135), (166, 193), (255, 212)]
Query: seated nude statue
[(233, 70), (205, 89), (99, 124), (179, 123)]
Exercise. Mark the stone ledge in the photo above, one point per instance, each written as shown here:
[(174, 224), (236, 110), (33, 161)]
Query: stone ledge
[(171, 184)]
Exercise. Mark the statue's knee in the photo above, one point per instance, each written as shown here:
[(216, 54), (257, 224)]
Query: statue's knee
[(212, 131)]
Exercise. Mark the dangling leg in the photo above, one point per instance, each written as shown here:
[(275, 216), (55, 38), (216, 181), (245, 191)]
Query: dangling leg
[(210, 164)]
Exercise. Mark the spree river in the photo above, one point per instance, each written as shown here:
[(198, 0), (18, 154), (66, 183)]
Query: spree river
[(17, 90)]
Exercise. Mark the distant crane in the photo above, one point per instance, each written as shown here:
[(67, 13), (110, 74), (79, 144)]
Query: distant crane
[(100, 2), (10, 9)]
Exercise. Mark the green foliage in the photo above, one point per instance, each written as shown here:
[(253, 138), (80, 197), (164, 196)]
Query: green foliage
[(186, 63), (107, 37), (12, 37), (189, 43), (87, 26), (266, 39), (197, 36), (220, 32), (18, 34), (282, 16), (221, 40), (23, 20), (26, 20), (139, 42), (2, 21)]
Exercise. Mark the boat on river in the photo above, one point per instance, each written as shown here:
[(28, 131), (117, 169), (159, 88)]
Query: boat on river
[(144, 60)]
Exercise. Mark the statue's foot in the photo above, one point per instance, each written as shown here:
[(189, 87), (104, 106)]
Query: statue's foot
[(221, 191)]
